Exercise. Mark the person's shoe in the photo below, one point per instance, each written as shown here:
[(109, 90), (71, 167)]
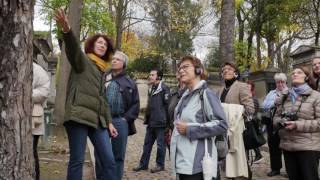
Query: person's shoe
[(139, 168), (257, 159), (273, 173), (157, 169)]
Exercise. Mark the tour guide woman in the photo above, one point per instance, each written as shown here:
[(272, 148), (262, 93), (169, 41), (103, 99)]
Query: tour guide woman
[(87, 112), (187, 140)]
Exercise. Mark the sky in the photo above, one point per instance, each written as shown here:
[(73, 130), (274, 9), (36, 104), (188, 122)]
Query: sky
[(38, 23)]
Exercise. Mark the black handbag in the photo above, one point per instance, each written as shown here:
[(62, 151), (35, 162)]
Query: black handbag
[(252, 136)]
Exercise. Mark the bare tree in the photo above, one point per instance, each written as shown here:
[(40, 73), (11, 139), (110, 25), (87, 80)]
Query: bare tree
[(227, 31), (75, 8), (16, 156), (311, 18), (122, 17)]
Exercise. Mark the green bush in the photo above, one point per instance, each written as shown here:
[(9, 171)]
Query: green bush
[(144, 64)]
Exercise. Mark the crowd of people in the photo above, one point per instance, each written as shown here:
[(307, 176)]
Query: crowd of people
[(103, 102)]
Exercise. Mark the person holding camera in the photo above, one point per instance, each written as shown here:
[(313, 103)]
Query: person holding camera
[(297, 121), (269, 107)]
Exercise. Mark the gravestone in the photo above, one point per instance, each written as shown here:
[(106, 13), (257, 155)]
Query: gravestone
[(303, 55), (263, 81)]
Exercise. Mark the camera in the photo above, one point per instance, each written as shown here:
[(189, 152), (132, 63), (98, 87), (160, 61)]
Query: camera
[(289, 116)]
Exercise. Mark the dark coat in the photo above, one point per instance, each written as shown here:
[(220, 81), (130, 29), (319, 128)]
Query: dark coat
[(130, 97), (85, 103), (157, 108), (174, 99)]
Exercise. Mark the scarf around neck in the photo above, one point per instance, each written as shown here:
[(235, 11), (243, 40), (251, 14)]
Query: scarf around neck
[(296, 91), (102, 64)]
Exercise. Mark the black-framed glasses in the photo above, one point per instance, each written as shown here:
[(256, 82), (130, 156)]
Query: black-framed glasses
[(184, 67)]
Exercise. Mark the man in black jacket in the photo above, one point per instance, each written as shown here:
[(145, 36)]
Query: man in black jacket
[(156, 118), (123, 99)]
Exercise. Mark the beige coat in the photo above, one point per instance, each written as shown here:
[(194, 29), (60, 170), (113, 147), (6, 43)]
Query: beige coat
[(40, 92), (236, 161), (239, 93), (307, 135)]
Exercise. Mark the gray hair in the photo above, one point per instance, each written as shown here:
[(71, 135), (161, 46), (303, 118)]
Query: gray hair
[(125, 58), (280, 77)]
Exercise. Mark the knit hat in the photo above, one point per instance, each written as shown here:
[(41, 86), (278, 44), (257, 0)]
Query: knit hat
[(122, 56)]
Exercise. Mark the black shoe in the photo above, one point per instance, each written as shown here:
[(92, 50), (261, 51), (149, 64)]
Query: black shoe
[(157, 169), (273, 173), (139, 168)]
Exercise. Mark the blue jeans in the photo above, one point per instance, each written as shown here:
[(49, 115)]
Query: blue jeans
[(77, 135), (119, 145), (152, 134)]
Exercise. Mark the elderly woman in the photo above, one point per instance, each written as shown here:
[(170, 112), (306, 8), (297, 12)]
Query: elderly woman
[(87, 113), (236, 92), (191, 128), (298, 121), (269, 106)]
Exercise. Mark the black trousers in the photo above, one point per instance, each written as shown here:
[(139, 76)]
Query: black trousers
[(274, 150), (302, 164), (35, 155), (198, 176)]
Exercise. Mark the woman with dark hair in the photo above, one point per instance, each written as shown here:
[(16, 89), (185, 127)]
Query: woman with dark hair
[(87, 113), (198, 116), (234, 91), (298, 122)]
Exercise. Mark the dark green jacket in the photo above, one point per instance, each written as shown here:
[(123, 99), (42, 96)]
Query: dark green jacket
[(85, 103)]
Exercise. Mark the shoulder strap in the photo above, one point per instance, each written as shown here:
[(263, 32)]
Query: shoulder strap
[(284, 98), (202, 104)]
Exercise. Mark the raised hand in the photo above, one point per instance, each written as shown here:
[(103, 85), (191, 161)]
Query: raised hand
[(62, 20)]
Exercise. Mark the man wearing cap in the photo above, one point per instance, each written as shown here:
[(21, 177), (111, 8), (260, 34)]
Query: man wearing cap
[(123, 99)]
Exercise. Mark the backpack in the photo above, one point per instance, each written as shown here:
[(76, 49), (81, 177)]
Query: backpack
[(221, 141)]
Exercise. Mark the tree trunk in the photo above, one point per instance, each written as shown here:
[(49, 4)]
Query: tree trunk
[(249, 39), (271, 52), (286, 57), (241, 25), (317, 13), (258, 38), (317, 37), (64, 68), (119, 36), (121, 11), (16, 155), (227, 31), (258, 32), (110, 4)]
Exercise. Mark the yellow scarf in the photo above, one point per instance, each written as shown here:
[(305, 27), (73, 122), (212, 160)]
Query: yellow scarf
[(103, 65)]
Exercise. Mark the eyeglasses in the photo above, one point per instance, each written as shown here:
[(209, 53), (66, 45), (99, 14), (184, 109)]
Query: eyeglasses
[(184, 67)]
